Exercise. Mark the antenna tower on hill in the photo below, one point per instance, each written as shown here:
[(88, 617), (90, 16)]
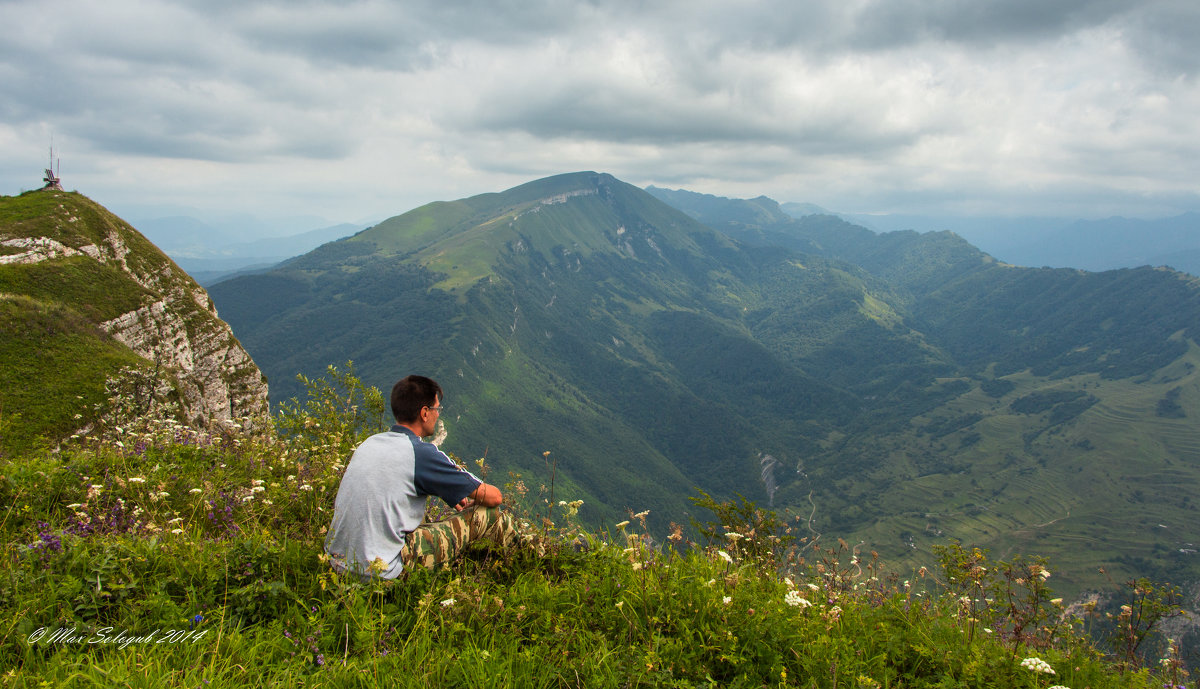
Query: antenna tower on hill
[(52, 180)]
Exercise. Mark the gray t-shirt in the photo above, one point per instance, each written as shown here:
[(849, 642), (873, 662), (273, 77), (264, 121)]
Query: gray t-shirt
[(382, 498)]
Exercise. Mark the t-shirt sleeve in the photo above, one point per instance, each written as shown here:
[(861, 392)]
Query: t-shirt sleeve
[(436, 475)]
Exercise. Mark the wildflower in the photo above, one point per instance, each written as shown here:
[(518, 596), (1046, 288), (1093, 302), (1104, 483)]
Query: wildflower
[(306, 487), (793, 599), (814, 587), (256, 482), (137, 479), (734, 536), (257, 489), (1037, 665), (176, 520), (727, 599), (1056, 601), (195, 490), (74, 505), (448, 602), (641, 515), (725, 556), (176, 531), (622, 525)]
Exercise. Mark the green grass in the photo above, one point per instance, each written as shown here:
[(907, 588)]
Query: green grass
[(53, 366), (155, 554)]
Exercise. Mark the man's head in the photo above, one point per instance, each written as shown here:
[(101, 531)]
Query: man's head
[(416, 403)]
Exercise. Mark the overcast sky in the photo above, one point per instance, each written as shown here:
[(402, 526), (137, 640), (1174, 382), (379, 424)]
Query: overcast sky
[(361, 110)]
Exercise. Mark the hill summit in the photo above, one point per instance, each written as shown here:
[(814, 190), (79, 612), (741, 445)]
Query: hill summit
[(82, 296)]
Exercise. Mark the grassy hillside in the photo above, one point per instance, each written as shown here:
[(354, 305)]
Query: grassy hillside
[(43, 393), (84, 296), (160, 554), (54, 359)]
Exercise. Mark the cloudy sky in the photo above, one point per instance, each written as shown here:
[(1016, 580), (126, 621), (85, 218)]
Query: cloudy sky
[(355, 111)]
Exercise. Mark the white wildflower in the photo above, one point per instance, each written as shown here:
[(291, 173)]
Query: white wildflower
[(306, 487), (727, 599), (257, 489), (1037, 665), (195, 490), (137, 479), (793, 599), (176, 531), (734, 536), (622, 525), (448, 602), (725, 556)]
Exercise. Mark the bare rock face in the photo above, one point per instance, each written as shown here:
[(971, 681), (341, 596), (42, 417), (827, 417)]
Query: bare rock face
[(174, 324)]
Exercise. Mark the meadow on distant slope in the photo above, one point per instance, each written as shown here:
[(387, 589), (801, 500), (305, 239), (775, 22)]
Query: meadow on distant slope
[(144, 552)]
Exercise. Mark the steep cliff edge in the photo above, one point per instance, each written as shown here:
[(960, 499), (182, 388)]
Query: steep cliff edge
[(77, 286)]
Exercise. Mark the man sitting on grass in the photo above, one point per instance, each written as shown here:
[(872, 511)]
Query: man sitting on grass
[(378, 517)]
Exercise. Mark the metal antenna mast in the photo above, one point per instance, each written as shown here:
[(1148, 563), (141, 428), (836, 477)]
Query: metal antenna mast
[(52, 180)]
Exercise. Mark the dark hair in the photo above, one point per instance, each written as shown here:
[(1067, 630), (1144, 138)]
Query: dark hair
[(411, 394)]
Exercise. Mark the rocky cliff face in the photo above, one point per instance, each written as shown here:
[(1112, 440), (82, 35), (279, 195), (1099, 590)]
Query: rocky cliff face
[(160, 313)]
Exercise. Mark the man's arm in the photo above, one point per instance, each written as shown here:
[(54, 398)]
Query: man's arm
[(486, 495)]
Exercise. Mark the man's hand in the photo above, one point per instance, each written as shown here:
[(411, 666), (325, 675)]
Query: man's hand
[(464, 504)]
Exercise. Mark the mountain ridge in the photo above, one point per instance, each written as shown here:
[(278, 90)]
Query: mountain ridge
[(638, 343)]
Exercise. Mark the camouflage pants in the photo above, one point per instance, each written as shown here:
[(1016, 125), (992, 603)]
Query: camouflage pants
[(438, 542)]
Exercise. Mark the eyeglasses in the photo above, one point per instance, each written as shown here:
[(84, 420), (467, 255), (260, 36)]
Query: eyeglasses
[(438, 408)]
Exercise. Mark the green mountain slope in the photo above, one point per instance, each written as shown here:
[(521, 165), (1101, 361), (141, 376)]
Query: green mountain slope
[(902, 388), (576, 315), (82, 295), (1058, 428)]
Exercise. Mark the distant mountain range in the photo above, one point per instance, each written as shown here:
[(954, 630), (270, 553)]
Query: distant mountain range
[(211, 252), (900, 388), (1054, 242)]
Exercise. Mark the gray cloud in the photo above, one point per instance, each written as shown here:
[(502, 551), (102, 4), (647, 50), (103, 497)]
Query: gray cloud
[(377, 103)]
